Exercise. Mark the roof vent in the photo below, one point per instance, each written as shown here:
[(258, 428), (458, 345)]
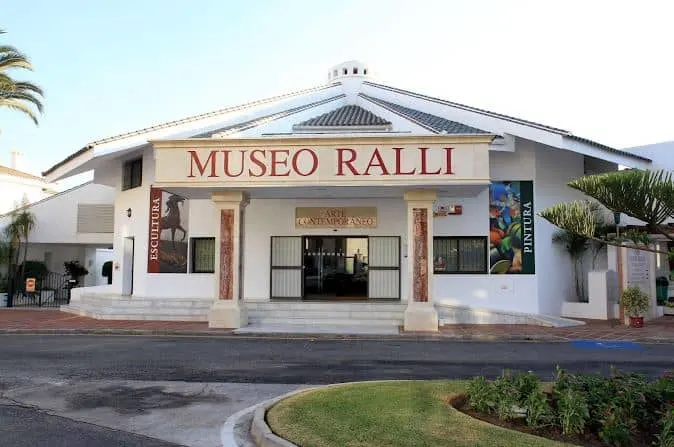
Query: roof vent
[(349, 69)]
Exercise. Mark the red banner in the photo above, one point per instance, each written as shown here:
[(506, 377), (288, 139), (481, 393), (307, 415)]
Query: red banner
[(167, 247)]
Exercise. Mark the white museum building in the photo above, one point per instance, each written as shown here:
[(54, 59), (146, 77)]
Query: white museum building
[(349, 203)]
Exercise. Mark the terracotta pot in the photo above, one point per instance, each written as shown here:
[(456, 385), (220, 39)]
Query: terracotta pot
[(636, 321)]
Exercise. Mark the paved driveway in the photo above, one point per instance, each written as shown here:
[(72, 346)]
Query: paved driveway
[(182, 389)]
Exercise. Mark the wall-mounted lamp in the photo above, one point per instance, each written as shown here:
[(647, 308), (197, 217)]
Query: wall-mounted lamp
[(128, 212)]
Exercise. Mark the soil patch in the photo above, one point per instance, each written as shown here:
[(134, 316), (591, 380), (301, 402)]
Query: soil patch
[(460, 402)]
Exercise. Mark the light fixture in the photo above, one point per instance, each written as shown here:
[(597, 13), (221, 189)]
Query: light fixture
[(128, 212)]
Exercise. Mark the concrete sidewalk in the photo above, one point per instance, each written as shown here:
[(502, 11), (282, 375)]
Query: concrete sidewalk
[(14, 321)]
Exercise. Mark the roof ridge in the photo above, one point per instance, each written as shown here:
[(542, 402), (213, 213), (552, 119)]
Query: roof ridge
[(469, 108)]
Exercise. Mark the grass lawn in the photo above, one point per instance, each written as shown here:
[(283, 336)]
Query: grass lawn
[(413, 413)]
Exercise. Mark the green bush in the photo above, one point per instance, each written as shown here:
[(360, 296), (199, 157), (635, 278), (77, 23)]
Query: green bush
[(33, 269), (634, 301), (666, 436), (539, 413), (572, 412), (481, 396), (614, 408)]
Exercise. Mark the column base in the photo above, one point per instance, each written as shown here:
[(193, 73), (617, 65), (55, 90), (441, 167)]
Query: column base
[(421, 317), (227, 314)]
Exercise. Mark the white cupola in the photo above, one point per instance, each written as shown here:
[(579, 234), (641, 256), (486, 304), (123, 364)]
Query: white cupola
[(348, 70)]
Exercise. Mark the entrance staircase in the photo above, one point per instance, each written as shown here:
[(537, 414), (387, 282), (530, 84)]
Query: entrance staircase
[(115, 307), (384, 315)]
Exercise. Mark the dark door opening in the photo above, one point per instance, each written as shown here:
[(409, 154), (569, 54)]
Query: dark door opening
[(335, 267)]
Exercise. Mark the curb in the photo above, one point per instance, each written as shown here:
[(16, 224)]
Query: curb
[(262, 433), (259, 429), (306, 336)]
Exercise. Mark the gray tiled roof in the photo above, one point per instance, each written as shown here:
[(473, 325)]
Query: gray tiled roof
[(345, 116), (432, 122)]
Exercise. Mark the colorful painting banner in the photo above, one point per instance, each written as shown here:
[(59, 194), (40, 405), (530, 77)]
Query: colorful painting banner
[(511, 228), (167, 251)]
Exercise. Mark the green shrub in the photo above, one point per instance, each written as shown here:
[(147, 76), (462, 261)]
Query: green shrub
[(33, 269), (616, 427), (634, 301), (666, 436), (573, 412), (539, 412), (481, 396)]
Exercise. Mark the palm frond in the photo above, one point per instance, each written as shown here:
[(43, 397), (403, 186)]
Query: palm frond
[(575, 217), (14, 60), (644, 195), (19, 106), (20, 96)]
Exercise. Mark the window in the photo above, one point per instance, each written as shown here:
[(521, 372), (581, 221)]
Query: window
[(132, 174), (460, 254), (203, 255)]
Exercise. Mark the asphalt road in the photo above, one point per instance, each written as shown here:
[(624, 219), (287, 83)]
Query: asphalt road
[(84, 361), (301, 361), (29, 427)]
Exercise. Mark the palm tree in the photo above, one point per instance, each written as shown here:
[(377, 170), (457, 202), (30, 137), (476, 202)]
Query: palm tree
[(644, 195), (18, 231), (18, 95)]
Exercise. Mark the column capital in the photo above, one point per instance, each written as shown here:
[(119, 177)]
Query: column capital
[(420, 195), (230, 199)]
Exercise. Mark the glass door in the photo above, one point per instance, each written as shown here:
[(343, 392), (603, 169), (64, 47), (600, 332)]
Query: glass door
[(335, 267)]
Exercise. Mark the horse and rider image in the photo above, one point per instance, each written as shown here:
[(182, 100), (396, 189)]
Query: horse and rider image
[(171, 220), (173, 247)]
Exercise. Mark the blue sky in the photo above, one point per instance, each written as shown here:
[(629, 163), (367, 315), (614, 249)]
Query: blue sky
[(601, 69)]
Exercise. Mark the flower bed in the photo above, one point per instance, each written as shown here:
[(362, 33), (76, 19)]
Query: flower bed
[(620, 410)]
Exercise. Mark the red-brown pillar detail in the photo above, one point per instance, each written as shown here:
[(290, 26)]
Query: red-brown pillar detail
[(226, 254), (420, 267)]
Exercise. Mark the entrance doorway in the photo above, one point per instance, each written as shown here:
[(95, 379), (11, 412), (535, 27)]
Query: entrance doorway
[(335, 267), (127, 267)]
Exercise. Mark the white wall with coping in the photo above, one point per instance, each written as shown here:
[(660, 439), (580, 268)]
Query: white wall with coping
[(56, 216)]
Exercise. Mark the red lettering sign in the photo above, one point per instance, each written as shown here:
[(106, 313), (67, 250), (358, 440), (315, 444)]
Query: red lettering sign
[(155, 230), (305, 162)]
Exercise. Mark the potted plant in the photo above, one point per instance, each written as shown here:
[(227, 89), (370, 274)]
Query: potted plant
[(75, 270), (636, 303)]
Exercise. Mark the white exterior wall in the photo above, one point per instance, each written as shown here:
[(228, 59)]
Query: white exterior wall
[(167, 285), (554, 269), (541, 293), (14, 189), (56, 218)]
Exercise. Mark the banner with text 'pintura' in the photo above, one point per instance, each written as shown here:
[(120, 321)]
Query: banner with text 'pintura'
[(511, 227), (167, 248)]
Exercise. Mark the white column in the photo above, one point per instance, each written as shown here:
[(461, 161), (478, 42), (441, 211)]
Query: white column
[(227, 310), (420, 314)]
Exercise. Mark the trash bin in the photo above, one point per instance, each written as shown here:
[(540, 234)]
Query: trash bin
[(661, 290)]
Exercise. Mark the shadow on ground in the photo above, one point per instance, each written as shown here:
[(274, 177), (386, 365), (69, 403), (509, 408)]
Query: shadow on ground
[(128, 400)]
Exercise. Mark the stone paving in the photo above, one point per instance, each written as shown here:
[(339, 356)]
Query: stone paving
[(660, 330)]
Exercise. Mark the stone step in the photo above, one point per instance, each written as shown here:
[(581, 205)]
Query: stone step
[(104, 314), (145, 303), (324, 306), (318, 322), (301, 313)]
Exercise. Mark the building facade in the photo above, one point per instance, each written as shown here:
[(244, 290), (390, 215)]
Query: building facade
[(350, 193), (18, 186)]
